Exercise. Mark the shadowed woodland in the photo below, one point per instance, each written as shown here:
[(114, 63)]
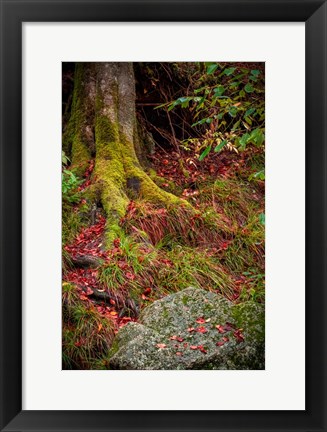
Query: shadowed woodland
[(163, 215)]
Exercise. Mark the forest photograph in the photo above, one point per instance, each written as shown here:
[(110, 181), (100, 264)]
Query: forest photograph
[(163, 215)]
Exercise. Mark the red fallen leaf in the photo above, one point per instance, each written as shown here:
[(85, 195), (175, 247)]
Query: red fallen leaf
[(238, 335), (165, 162), (200, 320), (89, 291), (179, 353), (161, 345), (201, 330), (167, 262), (112, 301), (229, 326), (185, 345), (201, 348), (220, 328), (179, 339), (130, 275), (191, 329), (225, 339), (220, 343), (147, 291), (79, 343), (116, 242), (193, 347), (122, 264)]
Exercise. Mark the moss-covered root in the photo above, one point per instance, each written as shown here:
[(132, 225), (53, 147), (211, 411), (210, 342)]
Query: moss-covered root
[(121, 175), (139, 183)]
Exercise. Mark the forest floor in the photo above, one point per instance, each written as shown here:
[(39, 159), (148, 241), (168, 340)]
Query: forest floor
[(220, 248)]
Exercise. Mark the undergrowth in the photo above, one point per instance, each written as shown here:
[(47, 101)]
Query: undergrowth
[(86, 335), (216, 248)]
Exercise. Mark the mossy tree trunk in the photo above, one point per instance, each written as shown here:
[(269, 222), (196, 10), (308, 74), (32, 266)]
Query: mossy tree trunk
[(103, 126)]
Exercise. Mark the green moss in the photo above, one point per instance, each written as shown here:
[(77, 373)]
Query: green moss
[(109, 170), (185, 300), (80, 156), (149, 191), (74, 141), (251, 317)]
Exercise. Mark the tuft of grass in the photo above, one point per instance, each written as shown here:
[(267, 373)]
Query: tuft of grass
[(197, 268), (86, 335), (71, 224), (180, 224), (167, 271)]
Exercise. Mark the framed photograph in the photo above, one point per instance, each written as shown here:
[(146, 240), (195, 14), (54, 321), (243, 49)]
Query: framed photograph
[(163, 215)]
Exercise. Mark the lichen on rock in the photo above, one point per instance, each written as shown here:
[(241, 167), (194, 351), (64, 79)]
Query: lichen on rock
[(192, 329)]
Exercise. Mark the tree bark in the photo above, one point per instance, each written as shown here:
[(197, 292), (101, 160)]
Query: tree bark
[(103, 126)]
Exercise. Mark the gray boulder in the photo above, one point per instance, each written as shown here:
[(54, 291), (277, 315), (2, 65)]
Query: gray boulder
[(192, 329)]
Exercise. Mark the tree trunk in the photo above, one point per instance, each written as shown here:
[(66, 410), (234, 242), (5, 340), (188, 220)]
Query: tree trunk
[(103, 126)]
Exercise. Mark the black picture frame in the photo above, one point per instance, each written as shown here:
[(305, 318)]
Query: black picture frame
[(13, 14)]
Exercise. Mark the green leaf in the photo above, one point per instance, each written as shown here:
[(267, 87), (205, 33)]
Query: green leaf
[(212, 68), (258, 175), (161, 106), (234, 84), (249, 88), (204, 153), (255, 72), (257, 137), (64, 158), (262, 218), (244, 140), (219, 91), (229, 71), (200, 122), (232, 111), (185, 102), (199, 90), (249, 112), (260, 138), (183, 99), (236, 125), (220, 146)]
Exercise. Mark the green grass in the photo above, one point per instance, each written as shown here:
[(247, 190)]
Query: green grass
[(86, 335)]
